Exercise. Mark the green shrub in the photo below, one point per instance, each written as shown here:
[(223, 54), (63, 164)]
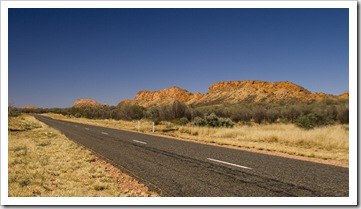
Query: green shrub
[(312, 120), (28, 126), (198, 121), (304, 122), (13, 112), (225, 122), (181, 121), (212, 120)]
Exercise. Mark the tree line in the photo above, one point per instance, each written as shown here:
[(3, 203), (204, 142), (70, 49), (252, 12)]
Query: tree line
[(306, 115)]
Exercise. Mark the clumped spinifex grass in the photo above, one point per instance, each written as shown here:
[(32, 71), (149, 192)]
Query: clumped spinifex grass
[(43, 162), (328, 142)]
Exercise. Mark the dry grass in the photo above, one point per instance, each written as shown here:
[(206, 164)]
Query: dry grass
[(43, 162), (325, 142), (145, 125), (330, 142)]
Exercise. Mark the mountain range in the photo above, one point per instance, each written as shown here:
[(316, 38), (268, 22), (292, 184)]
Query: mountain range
[(231, 92)]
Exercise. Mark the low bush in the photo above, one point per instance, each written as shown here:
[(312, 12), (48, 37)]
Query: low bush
[(181, 121), (225, 122), (14, 112), (198, 121), (312, 120), (212, 120)]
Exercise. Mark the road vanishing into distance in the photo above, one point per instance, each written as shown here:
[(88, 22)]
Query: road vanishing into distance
[(179, 168)]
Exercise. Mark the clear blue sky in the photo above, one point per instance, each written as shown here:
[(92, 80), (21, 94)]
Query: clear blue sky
[(59, 55)]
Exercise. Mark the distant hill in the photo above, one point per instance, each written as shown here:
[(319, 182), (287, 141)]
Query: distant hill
[(30, 107), (163, 97), (343, 96), (87, 103), (232, 92)]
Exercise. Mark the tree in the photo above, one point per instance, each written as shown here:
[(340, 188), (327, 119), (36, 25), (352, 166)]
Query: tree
[(272, 115), (343, 116), (259, 115), (178, 109), (291, 113), (152, 113)]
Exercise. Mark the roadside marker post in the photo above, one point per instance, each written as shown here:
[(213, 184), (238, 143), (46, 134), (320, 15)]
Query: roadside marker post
[(153, 126), (138, 125)]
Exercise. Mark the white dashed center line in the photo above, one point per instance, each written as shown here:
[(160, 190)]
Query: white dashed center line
[(105, 133), (87, 129), (227, 163), (139, 142)]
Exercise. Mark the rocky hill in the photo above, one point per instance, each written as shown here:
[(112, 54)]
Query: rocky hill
[(163, 97), (343, 96), (232, 92), (259, 91), (87, 103), (29, 107), (253, 91)]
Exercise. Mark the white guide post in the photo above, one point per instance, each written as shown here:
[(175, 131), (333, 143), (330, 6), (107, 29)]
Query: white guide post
[(153, 127), (138, 125)]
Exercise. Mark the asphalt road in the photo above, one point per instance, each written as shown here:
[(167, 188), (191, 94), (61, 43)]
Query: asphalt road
[(185, 169)]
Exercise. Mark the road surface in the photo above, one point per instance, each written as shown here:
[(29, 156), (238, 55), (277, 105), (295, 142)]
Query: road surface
[(179, 168)]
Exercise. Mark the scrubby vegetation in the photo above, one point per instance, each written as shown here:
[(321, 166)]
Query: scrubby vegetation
[(212, 120), (316, 129), (305, 115), (312, 120)]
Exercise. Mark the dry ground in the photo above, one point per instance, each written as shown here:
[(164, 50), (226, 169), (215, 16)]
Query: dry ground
[(43, 162), (329, 144)]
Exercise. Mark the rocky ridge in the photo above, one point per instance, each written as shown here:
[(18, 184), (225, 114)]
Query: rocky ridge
[(343, 96), (166, 96), (232, 92), (87, 103), (29, 107)]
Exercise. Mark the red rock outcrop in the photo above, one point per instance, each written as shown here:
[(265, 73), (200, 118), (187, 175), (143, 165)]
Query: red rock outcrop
[(126, 102), (87, 103), (30, 107), (232, 92), (163, 97), (253, 91), (343, 96)]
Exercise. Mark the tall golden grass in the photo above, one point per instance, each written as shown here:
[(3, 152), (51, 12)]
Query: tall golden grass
[(43, 162), (328, 142)]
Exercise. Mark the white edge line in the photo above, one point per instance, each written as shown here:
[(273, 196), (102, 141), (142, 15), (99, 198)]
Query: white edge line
[(139, 142), (87, 129), (229, 163)]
